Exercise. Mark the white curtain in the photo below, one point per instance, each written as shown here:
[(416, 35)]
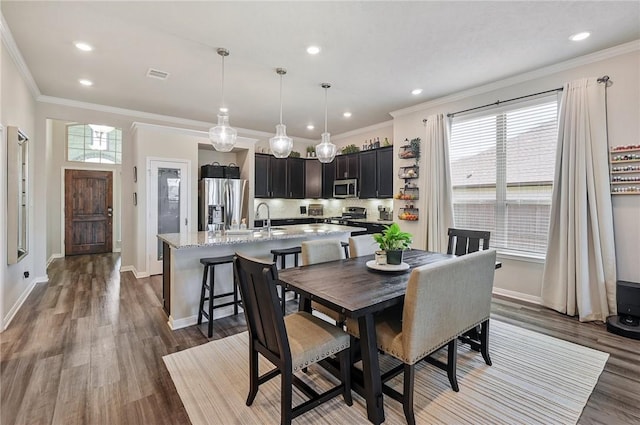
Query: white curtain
[(439, 206), (580, 272)]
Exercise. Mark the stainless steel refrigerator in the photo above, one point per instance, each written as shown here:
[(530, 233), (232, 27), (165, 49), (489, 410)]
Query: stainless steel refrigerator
[(220, 203)]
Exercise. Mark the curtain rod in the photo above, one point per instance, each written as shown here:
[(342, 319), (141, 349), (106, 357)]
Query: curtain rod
[(604, 79)]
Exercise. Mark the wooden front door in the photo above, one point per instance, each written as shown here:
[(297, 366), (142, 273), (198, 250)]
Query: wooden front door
[(88, 211)]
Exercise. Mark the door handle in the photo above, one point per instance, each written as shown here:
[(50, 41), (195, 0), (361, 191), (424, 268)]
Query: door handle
[(109, 211)]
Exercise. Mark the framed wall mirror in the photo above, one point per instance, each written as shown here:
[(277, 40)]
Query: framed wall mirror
[(17, 195)]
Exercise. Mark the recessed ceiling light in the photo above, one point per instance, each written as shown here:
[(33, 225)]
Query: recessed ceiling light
[(84, 46), (347, 115), (310, 127), (85, 82), (579, 36), (416, 92), (313, 50)]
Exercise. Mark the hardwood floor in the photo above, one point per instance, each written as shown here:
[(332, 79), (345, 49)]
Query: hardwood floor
[(87, 347)]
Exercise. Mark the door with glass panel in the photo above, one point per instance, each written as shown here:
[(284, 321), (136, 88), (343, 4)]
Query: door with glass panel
[(168, 206)]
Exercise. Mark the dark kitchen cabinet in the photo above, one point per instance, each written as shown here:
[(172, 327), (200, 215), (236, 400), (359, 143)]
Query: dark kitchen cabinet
[(347, 166), (328, 176), (279, 177), (376, 173), (295, 178), (313, 178), (367, 183), (385, 176), (262, 188)]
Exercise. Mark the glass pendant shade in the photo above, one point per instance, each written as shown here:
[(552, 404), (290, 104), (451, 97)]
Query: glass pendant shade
[(325, 150), (281, 144), (222, 136)]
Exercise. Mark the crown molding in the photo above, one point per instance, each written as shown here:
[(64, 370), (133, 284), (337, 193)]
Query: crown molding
[(611, 52), (121, 111), (242, 142), (14, 52), (362, 130)]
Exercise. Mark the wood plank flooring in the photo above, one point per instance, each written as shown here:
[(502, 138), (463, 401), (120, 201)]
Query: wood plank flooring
[(87, 347)]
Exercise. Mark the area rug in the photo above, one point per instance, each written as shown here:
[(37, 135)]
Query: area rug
[(534, 379)]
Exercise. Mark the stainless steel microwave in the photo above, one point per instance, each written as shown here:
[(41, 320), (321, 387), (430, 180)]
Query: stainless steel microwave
[(347, 188)]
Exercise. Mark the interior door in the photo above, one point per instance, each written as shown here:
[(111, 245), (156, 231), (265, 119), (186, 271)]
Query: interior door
[(168, 206), (88, 211)]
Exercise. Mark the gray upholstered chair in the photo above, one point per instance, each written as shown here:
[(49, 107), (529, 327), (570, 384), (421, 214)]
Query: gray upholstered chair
[(321, 251), (290, 343), (362, 245), (443, 300)]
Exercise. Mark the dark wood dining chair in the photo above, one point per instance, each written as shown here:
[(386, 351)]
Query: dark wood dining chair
[(290, 343), (435, 313), (463, 241)]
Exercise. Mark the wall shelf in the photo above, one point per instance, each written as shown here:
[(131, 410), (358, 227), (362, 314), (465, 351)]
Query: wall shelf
[(625, 179)]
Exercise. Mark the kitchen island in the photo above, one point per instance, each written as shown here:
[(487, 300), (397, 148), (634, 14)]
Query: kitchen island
[(182, 271)]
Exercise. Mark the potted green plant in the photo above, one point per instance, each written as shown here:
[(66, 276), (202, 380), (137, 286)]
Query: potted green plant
[(394, 242)]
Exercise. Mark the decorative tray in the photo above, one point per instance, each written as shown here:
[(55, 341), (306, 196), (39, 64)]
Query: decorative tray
[(387, 267)]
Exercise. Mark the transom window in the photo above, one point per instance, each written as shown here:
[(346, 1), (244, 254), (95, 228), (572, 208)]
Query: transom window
[(502, 170), (94, 143)]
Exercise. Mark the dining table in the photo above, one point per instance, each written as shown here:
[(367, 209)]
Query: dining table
[(358, 291)]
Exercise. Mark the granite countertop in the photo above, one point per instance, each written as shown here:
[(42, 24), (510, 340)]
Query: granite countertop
[(369, 220), (204, 239)]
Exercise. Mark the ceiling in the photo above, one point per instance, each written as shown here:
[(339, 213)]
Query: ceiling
[(373, 53)]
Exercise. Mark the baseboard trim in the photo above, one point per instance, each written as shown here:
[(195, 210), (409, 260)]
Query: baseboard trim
[(54, 257), (175, 324), (136, 273), (6, 321), (518, 296)]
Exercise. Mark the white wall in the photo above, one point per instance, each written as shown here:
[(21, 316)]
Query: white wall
[(17, 108), (163, 142), (521, 277)]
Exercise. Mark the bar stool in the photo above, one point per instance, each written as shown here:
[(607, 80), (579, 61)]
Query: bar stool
[(211, 263), (282, 254), (345, 246)]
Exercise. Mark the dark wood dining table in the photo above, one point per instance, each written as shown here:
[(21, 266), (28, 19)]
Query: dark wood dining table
[(351, 288)]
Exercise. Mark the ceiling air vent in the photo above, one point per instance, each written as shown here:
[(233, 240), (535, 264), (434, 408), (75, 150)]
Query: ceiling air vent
[(156, 73)]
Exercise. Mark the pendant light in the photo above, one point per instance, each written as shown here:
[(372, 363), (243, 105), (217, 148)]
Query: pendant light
[(325, 151), (222, 136), (280, 144)]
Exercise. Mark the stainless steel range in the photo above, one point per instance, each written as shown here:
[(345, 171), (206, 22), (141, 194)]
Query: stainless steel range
[(347, 214)]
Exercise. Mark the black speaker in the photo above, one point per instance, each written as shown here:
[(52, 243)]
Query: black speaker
[(628, 297), (627, 322)]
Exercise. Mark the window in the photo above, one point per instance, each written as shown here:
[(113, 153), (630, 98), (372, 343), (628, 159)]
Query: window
[(94, 143), (502, 169)]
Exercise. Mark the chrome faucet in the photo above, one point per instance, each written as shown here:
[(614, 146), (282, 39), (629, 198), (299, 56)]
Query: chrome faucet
[(268, 214)]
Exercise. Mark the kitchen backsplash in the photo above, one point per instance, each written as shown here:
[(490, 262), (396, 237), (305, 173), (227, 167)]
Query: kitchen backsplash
[(290, 208)]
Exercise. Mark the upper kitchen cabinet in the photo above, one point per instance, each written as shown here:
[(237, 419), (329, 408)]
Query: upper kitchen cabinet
[(347, 166), (296, 178), (328, 176), (313, 178), (279, 177), (376, 173)]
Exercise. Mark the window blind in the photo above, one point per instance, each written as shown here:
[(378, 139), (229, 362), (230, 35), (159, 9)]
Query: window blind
[(502, 168)]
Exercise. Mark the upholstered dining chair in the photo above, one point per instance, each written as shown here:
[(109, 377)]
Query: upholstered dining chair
[(443, 300), (362, 245), (462, 241), (321, 251), (290, 343)]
